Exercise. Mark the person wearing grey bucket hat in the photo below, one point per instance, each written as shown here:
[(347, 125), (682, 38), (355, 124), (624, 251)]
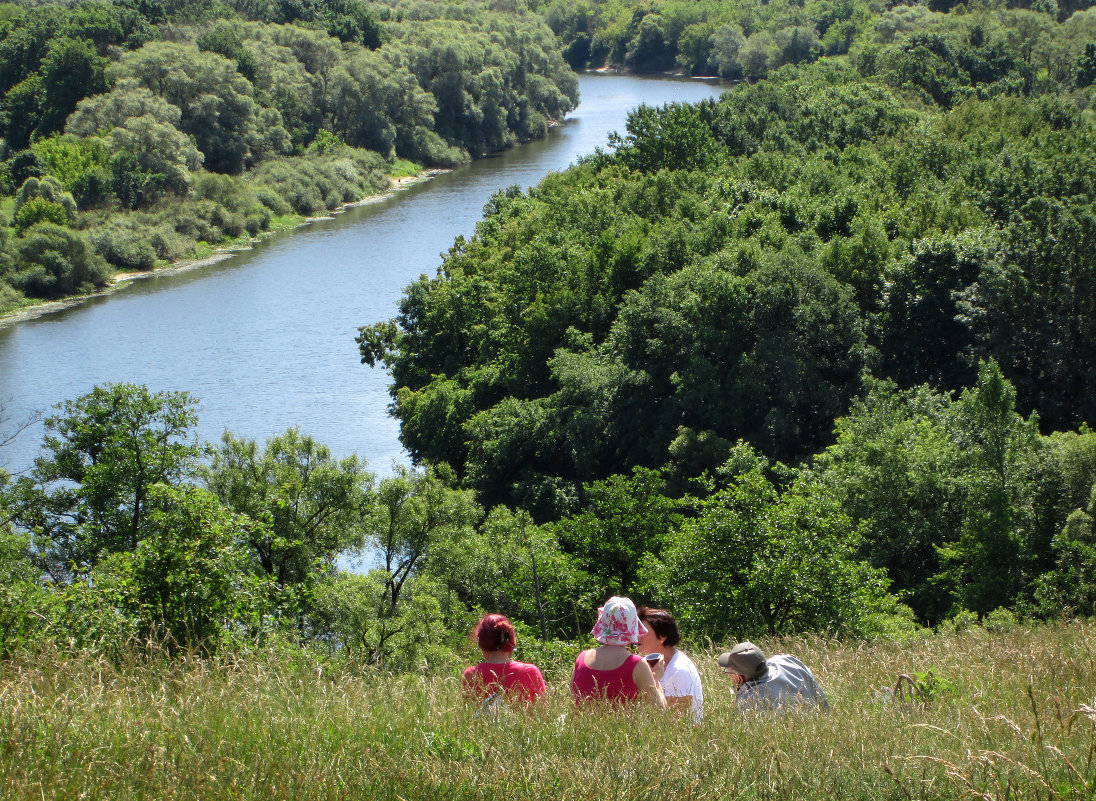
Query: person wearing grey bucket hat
[(762, 682)]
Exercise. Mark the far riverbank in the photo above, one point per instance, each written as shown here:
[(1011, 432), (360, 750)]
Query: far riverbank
[(220, 254)]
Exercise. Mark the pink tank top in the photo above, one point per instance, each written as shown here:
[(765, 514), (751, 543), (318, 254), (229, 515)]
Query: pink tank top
[(613, 685), (521, 678)]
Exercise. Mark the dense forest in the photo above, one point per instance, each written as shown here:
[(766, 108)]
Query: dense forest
[(136, 134), (818, 356), (749, 39)]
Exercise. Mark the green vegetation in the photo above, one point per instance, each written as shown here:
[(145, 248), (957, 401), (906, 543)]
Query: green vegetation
[(843, 317), (747, 39), (1010, 717), (813, 361), (144, 130)]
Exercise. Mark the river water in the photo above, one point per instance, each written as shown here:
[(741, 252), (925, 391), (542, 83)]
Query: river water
[(265, 340)]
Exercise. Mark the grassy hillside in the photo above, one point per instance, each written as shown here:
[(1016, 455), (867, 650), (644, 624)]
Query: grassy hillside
[(1011, 717)]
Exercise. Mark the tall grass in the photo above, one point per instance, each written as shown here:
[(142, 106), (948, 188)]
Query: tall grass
[(1011, 717)]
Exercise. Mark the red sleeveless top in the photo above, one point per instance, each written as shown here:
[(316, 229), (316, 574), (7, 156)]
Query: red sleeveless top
[(616, 685)]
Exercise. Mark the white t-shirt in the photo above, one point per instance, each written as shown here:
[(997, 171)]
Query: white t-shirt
[(681, 679)]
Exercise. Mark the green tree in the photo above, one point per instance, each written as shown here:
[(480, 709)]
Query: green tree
[(186, 584), (624, 518), (37, 210), (71, 71), (313, 504), (677, 136), (49, 189), (127, 99), (412, 512), (1070, 587), (50, 261), (754, 560), (23, 599), (217, 104), (87, 495), (987, 562), (511, 566), (898, 472), (82, 165), (727, 41)]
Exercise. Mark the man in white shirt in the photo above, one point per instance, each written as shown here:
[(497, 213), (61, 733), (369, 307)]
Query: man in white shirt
[(680, 681), (770, 682)]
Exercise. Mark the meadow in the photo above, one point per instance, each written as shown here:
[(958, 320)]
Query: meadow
[(1009, 715)]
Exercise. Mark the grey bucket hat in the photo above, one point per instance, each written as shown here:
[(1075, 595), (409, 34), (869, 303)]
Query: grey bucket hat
[(746, 659)]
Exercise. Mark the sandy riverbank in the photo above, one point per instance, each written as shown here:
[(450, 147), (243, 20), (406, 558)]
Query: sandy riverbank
[(119, 279)]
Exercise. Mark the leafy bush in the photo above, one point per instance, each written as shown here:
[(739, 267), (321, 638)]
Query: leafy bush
[(46, 188), (167, 242), (124, 243), (1000, 620), (37, 210), (317, 181), (186, 584), (51, 262)]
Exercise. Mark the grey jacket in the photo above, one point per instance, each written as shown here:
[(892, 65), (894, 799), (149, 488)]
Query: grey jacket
[(786, 680)]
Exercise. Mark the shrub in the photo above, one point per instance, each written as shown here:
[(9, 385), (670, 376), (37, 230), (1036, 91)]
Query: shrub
[(47, 188), (168, 244), (37, 210), (124, 247), (1000, 620), (52, 261), (272, 200)]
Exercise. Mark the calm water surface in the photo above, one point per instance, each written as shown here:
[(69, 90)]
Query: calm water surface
[(265, 339)]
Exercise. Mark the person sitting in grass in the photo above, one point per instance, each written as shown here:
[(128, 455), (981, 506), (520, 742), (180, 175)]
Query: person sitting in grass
[(609, 672), (499, 676), (762, 682), (680, 681)]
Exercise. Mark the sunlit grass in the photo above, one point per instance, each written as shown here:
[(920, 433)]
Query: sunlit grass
[(1012, 718), (402, 168)]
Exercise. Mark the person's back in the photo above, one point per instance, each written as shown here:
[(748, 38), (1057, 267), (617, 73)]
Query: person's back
[(498, 676), (609, 671), (519, 679), (786, 680), (590, 682)]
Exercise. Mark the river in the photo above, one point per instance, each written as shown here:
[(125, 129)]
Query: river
[(265, 340)]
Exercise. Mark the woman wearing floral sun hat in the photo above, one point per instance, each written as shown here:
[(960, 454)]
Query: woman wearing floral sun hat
[(609, 671)]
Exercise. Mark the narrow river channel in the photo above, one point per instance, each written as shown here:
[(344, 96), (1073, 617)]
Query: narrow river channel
[(265, 339)]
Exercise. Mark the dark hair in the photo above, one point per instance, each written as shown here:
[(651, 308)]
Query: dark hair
[(495, 633), (663, 623)]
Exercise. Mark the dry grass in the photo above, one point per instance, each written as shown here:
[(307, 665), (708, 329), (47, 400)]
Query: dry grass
[(1013, 718)]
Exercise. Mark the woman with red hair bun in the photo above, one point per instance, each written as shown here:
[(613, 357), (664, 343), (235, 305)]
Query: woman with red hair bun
[(498, 674)]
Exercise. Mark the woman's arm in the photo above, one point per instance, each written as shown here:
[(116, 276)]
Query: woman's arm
[(680, 703), (648, 685)]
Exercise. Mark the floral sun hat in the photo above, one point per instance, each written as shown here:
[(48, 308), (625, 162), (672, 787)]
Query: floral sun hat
[(618, 623)]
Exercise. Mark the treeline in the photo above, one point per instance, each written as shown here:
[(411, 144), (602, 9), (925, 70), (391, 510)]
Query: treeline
[(747, 39), (134, 131), (876, 274), (816, 357), (927, 509)]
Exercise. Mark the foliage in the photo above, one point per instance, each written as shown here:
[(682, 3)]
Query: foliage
[(130, 106), (1071, 585), (22, 600), (88, 494), (184, 584), (413, 512), (508, 564), (313, 505), (623, 519), (757, 560), (50, 261)]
